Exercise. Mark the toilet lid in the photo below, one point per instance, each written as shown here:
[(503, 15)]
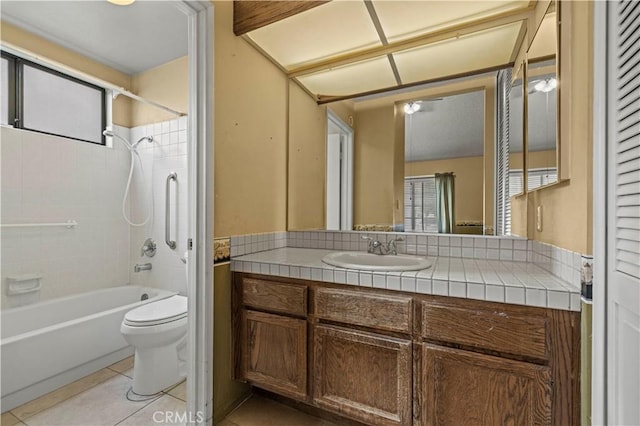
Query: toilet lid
[(166, 310)]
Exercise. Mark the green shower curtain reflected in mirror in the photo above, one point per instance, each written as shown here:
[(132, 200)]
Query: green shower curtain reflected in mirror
[(445, 190)]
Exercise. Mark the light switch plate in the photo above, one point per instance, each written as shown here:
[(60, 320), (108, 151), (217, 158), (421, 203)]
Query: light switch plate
[(539, 218)]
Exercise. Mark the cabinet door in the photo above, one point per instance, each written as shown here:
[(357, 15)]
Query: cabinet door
[(465, 388), (364, 376), (274, 353)]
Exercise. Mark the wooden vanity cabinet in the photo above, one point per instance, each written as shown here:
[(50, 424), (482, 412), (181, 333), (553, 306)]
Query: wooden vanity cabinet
[(363, 355), (271, 335), (391, 358), (485, 363)]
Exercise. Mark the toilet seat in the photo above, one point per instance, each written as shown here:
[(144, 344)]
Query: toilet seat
[(163, 311)]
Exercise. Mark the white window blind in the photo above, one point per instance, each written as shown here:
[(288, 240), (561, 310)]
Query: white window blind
[(503, 177), (626, 179), (420, 204), (535, 179)]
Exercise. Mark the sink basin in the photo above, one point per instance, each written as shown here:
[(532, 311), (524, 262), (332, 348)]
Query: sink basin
[(374, 262)]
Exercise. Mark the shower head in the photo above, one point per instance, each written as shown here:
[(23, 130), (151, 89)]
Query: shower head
[(109, 133), (147, 138)]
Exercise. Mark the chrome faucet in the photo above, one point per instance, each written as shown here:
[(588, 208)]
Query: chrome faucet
[(379, 248), (392, 247), (142, 267)]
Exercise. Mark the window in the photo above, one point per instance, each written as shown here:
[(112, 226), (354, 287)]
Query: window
[(43, 100), (420, 204), (535, 179)]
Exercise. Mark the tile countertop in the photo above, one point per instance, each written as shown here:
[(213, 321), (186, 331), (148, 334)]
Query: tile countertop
[(519, 283)]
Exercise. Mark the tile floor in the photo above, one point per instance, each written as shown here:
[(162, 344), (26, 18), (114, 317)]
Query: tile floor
[(97, 400), (100, 400)]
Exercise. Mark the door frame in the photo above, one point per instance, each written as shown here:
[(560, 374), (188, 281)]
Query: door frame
[(199, 385), (346, 190), (599, 320)]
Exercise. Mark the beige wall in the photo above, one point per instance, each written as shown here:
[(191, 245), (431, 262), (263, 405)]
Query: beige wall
[(250, 129), (567, 206), (373, 185), (37, 45), (307, 161), (226, 391), (168, 85), (345, 110), (535, 159), (469, 182)]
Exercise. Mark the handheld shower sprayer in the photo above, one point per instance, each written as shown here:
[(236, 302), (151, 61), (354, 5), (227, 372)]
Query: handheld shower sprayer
[(134, 153), (131, 147)]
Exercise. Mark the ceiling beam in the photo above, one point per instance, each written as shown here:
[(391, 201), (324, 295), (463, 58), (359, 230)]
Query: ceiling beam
[(249, 15), (419, 41), (325, 99)]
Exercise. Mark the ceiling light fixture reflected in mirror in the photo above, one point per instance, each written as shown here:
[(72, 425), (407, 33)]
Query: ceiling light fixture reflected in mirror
[(121, 2), (545, 86), (411, 107)]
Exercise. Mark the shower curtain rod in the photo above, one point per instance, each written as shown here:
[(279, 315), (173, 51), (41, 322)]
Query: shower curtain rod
[(116, 90)]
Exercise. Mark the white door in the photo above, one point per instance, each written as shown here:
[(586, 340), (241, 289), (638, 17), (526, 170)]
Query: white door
[(334, 181), (623, 215)]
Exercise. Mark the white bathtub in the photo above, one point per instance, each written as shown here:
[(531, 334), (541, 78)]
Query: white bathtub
[(49, 344)]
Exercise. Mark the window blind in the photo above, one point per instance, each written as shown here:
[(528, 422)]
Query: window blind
[(503, 192), (420, 204)]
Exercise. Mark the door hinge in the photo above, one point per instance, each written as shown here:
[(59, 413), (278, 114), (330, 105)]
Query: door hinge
[(190, 244)]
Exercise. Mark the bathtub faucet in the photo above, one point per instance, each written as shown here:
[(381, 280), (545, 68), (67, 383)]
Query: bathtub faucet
[(144, 267)]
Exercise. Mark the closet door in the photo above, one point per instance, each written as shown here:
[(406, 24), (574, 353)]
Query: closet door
[(623, 213)]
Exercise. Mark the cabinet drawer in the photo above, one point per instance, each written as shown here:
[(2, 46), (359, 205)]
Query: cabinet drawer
[(274, 296), (384, 312), (504, 330)]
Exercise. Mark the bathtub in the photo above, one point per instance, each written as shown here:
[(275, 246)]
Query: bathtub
[(49, 344)]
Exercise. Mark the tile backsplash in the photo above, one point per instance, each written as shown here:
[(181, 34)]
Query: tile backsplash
[(253, 243), (562, 263), (458, 246)]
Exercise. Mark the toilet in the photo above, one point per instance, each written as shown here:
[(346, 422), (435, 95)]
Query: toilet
[(158, 332)]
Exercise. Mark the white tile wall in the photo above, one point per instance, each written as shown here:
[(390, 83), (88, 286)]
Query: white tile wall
[(167, 153), (562, 263), (253, 243), (54, 179), (464, 246)]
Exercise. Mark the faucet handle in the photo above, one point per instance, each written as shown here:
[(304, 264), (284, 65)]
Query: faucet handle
[(366, 237), (398, 239)]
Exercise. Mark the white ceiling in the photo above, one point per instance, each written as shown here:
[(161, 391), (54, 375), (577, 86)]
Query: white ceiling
[(130, 38), (449, 128)]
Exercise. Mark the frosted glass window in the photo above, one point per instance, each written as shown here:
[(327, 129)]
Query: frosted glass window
[(4, 91), (58, 105)]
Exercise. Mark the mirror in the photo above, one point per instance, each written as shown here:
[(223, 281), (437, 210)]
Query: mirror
[(444, 164), (542, 101), (516, 134), (388, 163), (408, 144)]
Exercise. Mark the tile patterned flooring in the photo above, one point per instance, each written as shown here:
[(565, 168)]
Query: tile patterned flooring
[(100, 400)]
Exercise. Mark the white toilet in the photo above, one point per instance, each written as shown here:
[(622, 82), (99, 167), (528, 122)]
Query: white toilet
[(158, 333)]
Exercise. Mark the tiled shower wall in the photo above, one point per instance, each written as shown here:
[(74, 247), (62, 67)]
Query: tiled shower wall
[(47, 179), (167, 153)]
